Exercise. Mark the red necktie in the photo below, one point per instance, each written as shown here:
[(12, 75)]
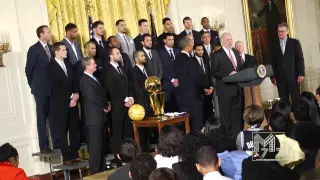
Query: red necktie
[(232, 60)]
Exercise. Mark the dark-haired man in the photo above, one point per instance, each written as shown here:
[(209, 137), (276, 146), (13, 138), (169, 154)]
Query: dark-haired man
[(142, 166), (38, 57), (168, 28), (187, 23), (206, 28), (127, 44), (101, 44), (144, 29)]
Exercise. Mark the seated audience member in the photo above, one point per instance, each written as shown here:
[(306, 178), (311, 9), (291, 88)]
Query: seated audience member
[(186, 168), (299, 115), (208, 163), (170, 139), (315, 173), (142, 166), (284, 109), (314, 109), (253, 116), (128, 150), (163, 174), (9, 162)]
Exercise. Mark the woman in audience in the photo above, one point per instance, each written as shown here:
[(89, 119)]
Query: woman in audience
[(284, 109), (314, 110), (170, 139), (163, 174)]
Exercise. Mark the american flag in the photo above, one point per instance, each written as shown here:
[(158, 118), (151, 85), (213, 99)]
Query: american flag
[(90, 28)]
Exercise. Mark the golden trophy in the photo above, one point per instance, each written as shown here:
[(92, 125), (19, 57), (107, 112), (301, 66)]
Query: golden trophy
[(157, 98)]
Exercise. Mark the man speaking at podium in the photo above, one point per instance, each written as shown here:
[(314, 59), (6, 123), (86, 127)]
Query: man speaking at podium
[(225, 62)]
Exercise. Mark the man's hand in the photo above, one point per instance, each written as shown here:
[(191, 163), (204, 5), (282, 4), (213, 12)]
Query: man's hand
[(73, 103), (175, 83), (274, 81), (131, 101), (208, 91), (109, 107), (233, 72), (75, 96), (105, 110), (300, 79)]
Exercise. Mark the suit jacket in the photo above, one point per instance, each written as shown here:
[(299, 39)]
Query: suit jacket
[(71, 56), (36, 69), (196, 36), (161, 42), (137, 42), (206, 75), (205, 53), (290, 65), (102, 52), (221, 66), (250, 62), (124, 47), (154, 64), (190, 86), (214, 36), (121, 173), (95, 100)]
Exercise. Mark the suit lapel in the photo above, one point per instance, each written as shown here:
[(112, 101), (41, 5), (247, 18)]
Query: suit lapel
[(227, 58)]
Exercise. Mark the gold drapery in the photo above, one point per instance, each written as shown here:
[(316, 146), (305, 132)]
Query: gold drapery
[(62, 12)]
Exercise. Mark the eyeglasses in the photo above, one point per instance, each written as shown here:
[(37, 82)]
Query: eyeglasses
[(281, 31)]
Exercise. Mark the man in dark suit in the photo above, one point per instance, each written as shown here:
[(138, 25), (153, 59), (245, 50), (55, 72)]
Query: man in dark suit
[(101, 44), (153, 63), (121, 96), (169, 80), (168, 28), (144, 29), (206, 28), (187, 22), (190, 89), (247, 60), (207, 46), (63, 114), (225, 62), (287, 62), (73, 47), (96, 104), (38, 57), (205, 73)]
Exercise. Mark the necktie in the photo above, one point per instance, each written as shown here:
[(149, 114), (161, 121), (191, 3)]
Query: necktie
[(202, 65), (64, 69), (232, 60), (171, 54), (125, 39), (150, 56), (208, 50), (100, 42), (119, 71), (74, 50), (242, 60), (48, 52), (282, 46), (144, 72)]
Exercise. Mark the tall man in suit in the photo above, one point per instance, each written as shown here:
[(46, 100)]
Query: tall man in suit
[(127, 44), (169, 81), (121, 96), (187, 22), (247, 60), (63, 114), (144, 29), (206, 28), (225, 62), (96, 104), (154, 63), (168, 28), (288, 65), (207, 46), (190, 89), (38, 57), (205, 73), (101, 44)]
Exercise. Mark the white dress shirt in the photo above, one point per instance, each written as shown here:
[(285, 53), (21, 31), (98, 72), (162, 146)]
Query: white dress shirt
[(232, 54), (188, 31), (43, 44), (98, 39), (199, 59), (73, 47), (141, 67), (148, 51), (170, 50), (283, 43), (62, 65), (207, 48), (215, 175), (185, 53)]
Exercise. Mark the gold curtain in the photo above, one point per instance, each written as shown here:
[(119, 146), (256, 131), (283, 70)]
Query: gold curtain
[(62, 12)]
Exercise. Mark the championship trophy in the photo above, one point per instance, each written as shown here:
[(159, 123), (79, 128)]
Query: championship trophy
[(157, 98)]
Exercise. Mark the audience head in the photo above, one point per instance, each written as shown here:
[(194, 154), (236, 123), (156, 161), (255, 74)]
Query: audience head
[(198, 50), (128, 150), (239, 46), (142, 166), (226, 40), (187, 22), (186, 44), (308, 135), (143, 26), (139, 57), (163, 174), (90, 49), (121, 26), (113, 42), (206, 38), (278, 122), (147, 41), (98, 28), (205, 23), (217, 47), (207, 160), (44, 33), (89, 64), (314, 109), (115, 55), (281, 107), (9, 154), (60, 50), (301, 112), (318, 94), (169, 40), (167, 24), (170, 139), (71, 31), (253, 115), (283, 30)]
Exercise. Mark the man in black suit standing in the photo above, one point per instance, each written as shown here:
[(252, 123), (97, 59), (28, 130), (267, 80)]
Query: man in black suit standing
[(187, 22), (153, 63), (38, 57), (121, 96), (96, 107), (287, 61), (207, 46), (205, 73), (169, 81), (206, 28), (190, 89), (63, 113), (144, 29), (101, 44), (168, 28), (225, 62), (247, 60)]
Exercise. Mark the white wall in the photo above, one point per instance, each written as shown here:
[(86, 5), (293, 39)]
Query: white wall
[(17, 109)]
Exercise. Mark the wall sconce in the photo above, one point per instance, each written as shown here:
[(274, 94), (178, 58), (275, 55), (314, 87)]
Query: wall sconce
[(4, 43)]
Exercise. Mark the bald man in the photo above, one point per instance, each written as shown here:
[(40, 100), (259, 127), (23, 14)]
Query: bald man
[(226, 61), (247, 60)]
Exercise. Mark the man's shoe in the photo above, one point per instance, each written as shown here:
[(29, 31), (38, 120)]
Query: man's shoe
[(78, 160), (47, 151), (68, 163)]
